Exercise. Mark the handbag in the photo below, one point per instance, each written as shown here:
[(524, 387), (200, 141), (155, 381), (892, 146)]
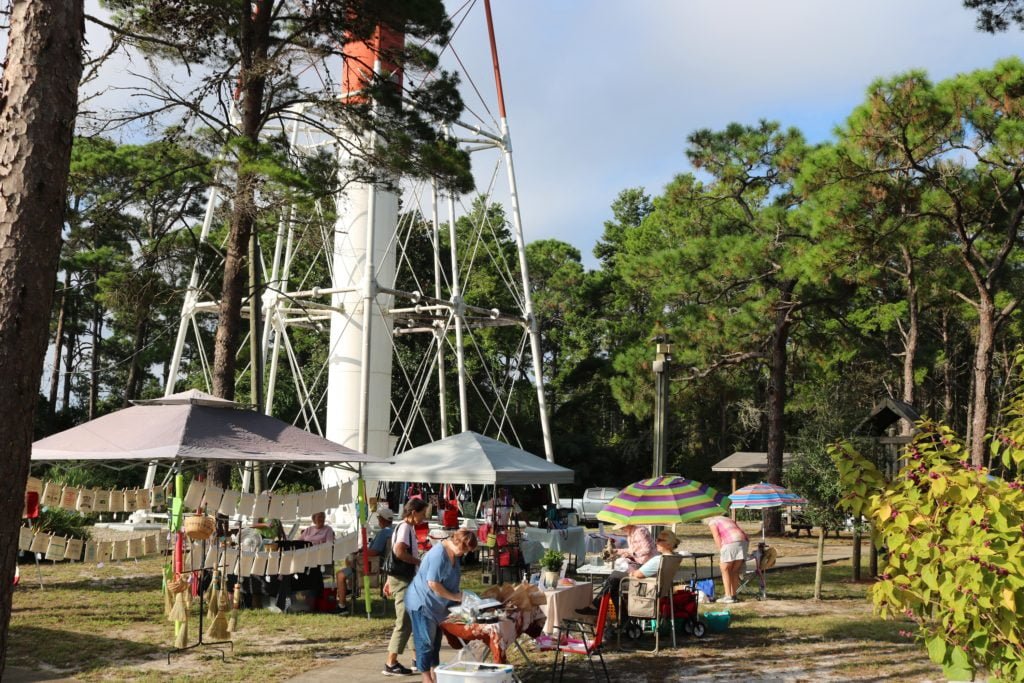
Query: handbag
[(398, 568)]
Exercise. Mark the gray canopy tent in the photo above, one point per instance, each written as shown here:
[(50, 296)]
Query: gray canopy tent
[(470, 458), (193, 427)]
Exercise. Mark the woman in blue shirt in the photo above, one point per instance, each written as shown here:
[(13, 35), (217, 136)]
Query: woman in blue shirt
[(435, 586)]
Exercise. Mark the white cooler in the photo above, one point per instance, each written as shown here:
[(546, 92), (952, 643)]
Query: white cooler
[(471, 672)]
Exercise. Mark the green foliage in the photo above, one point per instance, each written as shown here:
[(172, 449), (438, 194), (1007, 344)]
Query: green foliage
[(551, 560), (954, 536), (60, 522)]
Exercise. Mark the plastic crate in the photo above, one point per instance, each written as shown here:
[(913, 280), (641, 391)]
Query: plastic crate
[(718, 622), (473, 672)]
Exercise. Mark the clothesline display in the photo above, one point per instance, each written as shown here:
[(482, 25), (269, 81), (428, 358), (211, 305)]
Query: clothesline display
[(85, 500), (56, 547), (200, 496), (213, 499), (244, 563)]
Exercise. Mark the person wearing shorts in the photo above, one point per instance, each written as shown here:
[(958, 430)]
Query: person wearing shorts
[(733, 545)]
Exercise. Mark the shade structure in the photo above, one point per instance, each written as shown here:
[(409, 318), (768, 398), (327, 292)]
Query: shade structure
[(763, 495), (470, 458), (664, 500), (193, 426)]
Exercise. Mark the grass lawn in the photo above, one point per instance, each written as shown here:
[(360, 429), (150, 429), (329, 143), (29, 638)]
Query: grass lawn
[(107, 623)]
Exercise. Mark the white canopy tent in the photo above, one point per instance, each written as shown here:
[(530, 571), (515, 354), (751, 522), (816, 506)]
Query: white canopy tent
[(470, 458)]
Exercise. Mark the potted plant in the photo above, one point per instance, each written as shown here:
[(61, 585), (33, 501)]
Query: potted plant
[(551, 565)]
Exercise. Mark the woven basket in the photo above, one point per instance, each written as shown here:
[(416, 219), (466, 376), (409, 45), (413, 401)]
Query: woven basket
[(199, 527), (177, 586)]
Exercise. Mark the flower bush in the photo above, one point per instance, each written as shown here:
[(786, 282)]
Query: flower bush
[(954, 541)]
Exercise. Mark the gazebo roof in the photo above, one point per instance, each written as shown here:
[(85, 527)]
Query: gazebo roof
[(743, 461), (886, 414)]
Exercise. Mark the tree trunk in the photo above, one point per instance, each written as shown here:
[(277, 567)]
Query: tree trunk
[(856, 551), (58, 341), (131, 385), (94, 360), (819, 567), (38, 98), (947, 372), (982, 372), (69, 367), (777, 401), (910, 337), (253, 44)]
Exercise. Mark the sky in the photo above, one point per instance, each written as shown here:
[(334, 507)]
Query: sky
[(601, 94)]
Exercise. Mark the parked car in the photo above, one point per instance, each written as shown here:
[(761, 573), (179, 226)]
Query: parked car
[(592, 502)]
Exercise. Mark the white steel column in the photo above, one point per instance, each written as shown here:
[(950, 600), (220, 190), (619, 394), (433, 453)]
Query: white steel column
[(458, 308), (506, 146), (440, 333)]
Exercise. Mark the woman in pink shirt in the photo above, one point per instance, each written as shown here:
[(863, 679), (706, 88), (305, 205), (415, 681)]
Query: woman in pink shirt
[(732, 545), (639, 545)]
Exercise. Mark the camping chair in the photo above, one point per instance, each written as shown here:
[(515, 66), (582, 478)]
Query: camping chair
[(763, 559), (574, 637), (650, 599)]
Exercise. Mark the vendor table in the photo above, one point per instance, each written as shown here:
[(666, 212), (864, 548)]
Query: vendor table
[(563, 602), (572, 540), (602, 570), (498, 636)]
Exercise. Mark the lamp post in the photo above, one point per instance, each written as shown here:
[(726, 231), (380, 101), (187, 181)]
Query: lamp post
[(662, 362)]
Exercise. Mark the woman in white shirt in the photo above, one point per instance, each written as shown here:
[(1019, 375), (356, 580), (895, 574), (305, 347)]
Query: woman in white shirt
[(405, 548)]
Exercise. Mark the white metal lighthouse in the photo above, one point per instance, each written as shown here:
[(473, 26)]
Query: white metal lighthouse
[(349, 400)]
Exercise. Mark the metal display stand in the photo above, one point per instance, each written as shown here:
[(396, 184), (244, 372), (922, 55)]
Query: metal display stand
[(201, 642)]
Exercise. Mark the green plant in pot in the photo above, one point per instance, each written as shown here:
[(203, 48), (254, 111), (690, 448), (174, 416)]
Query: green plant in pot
[(551, 566)]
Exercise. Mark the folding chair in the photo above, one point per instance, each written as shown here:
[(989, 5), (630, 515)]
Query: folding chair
[(575, 637), (763, 559), (649, 600)]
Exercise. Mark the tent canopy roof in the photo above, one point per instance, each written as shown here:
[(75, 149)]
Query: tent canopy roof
[(192, 426), (742, 461), (470, 458)]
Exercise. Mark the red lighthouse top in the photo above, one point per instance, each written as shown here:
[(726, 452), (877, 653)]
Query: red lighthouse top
[(361, 56)]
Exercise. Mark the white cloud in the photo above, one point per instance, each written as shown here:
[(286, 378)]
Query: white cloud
[(601, 95)]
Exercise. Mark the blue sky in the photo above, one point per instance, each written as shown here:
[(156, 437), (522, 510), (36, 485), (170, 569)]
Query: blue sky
[(601, 94)]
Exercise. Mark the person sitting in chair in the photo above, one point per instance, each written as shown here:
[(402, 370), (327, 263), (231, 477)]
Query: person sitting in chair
[(378, 548), (666, 544)]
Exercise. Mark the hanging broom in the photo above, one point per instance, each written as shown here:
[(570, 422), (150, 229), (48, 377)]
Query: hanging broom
[(168, 595), (211, 597), (179, 611), (219, 626), (235, 601)]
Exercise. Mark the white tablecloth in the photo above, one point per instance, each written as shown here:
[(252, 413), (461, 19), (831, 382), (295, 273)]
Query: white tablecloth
[(572, 540)]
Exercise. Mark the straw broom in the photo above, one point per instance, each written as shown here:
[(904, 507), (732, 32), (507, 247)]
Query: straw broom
[(219, 626), (168, 595), (211, 597), (235, 600), (179, 611)]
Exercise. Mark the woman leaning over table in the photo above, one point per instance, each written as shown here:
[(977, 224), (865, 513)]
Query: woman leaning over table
[(406, 549), (434, 587)]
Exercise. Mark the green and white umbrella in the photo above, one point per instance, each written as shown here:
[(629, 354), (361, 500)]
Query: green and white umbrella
[(664, 500)]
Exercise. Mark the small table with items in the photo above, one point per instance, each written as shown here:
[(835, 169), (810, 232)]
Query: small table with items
[(499, 631), (604, 570)]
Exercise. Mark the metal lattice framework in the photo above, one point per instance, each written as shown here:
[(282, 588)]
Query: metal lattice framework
[(301, 296)]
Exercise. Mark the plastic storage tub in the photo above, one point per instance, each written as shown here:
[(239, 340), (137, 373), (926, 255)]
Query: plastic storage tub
[(717, 622), (471, 672)]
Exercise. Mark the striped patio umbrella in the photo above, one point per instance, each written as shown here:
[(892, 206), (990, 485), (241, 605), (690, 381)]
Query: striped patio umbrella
[(763, 495), (664, 500)]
